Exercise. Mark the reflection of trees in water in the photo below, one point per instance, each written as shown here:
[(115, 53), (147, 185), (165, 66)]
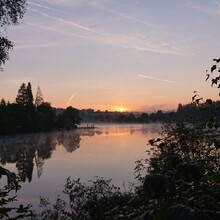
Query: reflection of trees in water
[(131, 129), (153, 128), (27, 151), (69, 140), (25, 163)]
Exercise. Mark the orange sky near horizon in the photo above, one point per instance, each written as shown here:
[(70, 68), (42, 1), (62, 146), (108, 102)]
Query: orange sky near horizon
[(113, 54)]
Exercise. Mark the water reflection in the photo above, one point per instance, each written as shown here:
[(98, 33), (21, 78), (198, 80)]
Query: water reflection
[(29, 151)]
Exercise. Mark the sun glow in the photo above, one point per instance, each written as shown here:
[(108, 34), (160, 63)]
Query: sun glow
[(121, 109)]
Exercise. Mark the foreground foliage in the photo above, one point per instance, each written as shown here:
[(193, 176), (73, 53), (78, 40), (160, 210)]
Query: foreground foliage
[(180, 181), (183, 175), (10, 13), (7, 210), (99, 199)]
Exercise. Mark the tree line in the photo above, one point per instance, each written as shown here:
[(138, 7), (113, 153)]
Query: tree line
[(203, 110), (27, 114)]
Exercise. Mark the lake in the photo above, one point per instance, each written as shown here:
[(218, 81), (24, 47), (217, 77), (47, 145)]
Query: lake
[(45, 160)]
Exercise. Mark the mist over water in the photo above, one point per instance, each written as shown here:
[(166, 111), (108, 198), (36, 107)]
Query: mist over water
[(45, 160)]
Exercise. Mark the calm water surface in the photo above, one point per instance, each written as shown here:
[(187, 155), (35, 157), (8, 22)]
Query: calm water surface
[(44, 161)]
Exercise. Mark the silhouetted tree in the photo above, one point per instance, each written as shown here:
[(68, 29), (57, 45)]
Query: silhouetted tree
[(39, 97), (21, 96), (29, 95), (69, 118), (144, 117), (3, 102), (6, 120), (45, 117), (39, 165), (10, 13)]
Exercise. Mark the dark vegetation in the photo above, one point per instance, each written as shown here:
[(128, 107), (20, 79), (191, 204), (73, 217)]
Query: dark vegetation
[(202, 110), (25, 115), (10, 13), (181, 180)]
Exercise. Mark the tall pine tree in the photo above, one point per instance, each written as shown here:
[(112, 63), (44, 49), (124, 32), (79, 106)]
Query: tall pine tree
[(39, 97), (21, 96), (25, 96), (29, 96)]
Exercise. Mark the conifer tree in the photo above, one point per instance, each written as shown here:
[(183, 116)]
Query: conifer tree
[(29, 96), (25, 96), (39, 97), (21, 96), (3, 102)]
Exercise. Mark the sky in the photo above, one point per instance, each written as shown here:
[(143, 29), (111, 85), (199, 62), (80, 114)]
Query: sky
[(135, 55)]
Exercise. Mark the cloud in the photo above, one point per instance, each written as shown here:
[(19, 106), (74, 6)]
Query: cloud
[(41, 6), (74, 2), (55, 29), (157, 79), (33, 46), (70, 99), (48, 8), (108, 9), (137, 2), (132, 41), (212, 7), (64, 21)]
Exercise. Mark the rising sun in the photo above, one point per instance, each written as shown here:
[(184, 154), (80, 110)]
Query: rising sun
[(120, 109)]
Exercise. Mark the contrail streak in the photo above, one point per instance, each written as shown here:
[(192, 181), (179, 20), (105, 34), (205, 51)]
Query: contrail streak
[(137, 2), (121, 40), (41, 6), (49, 8), (70, 99), (65, 21), (161, 80), (58, 31)]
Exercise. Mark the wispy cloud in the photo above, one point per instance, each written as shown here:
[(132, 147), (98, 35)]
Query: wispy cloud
[(41, 6), (59, 31), (213, 7), (34, 46), (64, 21), (137, 2), (31, 4), (70, 99), (123, 15), (157, 79), (75, 2), (132, 41)]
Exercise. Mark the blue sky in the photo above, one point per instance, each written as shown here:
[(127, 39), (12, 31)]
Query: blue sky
[(105, 54)]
